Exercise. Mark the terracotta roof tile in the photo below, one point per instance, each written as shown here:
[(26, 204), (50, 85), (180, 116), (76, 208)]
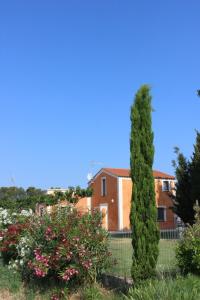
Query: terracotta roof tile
[(126, 173)]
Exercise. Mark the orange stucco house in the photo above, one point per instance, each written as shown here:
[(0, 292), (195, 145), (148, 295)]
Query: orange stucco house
[(112, 189)]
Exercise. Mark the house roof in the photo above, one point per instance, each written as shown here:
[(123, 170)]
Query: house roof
[(126, 173)]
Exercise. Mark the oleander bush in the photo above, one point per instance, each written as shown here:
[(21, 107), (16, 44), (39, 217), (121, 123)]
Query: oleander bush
[(12, 227), (66, 246), (188, 249)]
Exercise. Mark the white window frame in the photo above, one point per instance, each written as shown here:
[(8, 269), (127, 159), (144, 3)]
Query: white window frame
[(169, 182), (102, 190), (165, 213)]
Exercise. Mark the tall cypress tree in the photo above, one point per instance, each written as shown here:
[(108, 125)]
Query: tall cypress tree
[(143, 215)]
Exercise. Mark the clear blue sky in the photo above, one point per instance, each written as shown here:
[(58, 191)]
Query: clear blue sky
[(69, 70)]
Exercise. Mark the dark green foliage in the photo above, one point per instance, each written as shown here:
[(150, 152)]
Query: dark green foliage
[(195, 170), (182, 202), (188, 183), (18, 198), (9, 196), (143, 216)]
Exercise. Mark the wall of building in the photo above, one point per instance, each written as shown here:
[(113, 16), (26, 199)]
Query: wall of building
[(127, 192), (163, 200), (84, 204), (111, 198)]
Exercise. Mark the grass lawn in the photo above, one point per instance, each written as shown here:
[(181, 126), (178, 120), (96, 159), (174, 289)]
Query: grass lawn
[(121, 250)]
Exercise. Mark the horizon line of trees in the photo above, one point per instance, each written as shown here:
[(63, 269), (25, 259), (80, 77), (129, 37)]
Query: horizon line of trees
[(16, 198)]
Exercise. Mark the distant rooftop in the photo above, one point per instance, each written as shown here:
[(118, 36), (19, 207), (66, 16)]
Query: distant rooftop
[(53, 190)]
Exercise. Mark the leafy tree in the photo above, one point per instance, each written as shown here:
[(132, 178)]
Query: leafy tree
[(143, 215), (9, 196), (18, 198), (182, 202), (73, 194), (195, 170), (33, 196), (187, 190), (34, 192)]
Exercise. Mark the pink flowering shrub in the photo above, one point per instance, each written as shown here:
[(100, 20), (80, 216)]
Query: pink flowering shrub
[(12, 227), (9, 239), (66, 246)]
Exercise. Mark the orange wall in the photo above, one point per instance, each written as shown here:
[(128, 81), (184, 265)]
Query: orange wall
[(162, 199), (82, 204), (111, 198), (126, 192)]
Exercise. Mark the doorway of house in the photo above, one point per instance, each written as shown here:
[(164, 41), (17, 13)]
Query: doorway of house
[(104, 213)]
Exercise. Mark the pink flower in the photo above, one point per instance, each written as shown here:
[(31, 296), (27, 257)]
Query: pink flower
[(87, 264), (54, 297), (69, 273), (49, 234), (39, 272), (41, 258)]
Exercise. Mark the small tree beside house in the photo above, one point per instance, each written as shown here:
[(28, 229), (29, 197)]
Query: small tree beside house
[(143, 215), (188, 183), (182, 202)]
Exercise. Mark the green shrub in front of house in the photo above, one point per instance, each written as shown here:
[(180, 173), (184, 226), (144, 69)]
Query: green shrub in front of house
[(188, 249)]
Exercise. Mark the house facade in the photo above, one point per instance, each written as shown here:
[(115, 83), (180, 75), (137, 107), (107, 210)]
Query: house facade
[(112, 190)]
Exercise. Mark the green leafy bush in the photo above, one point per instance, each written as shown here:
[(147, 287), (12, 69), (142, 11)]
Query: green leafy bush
[(188, 249), (65, 246)]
